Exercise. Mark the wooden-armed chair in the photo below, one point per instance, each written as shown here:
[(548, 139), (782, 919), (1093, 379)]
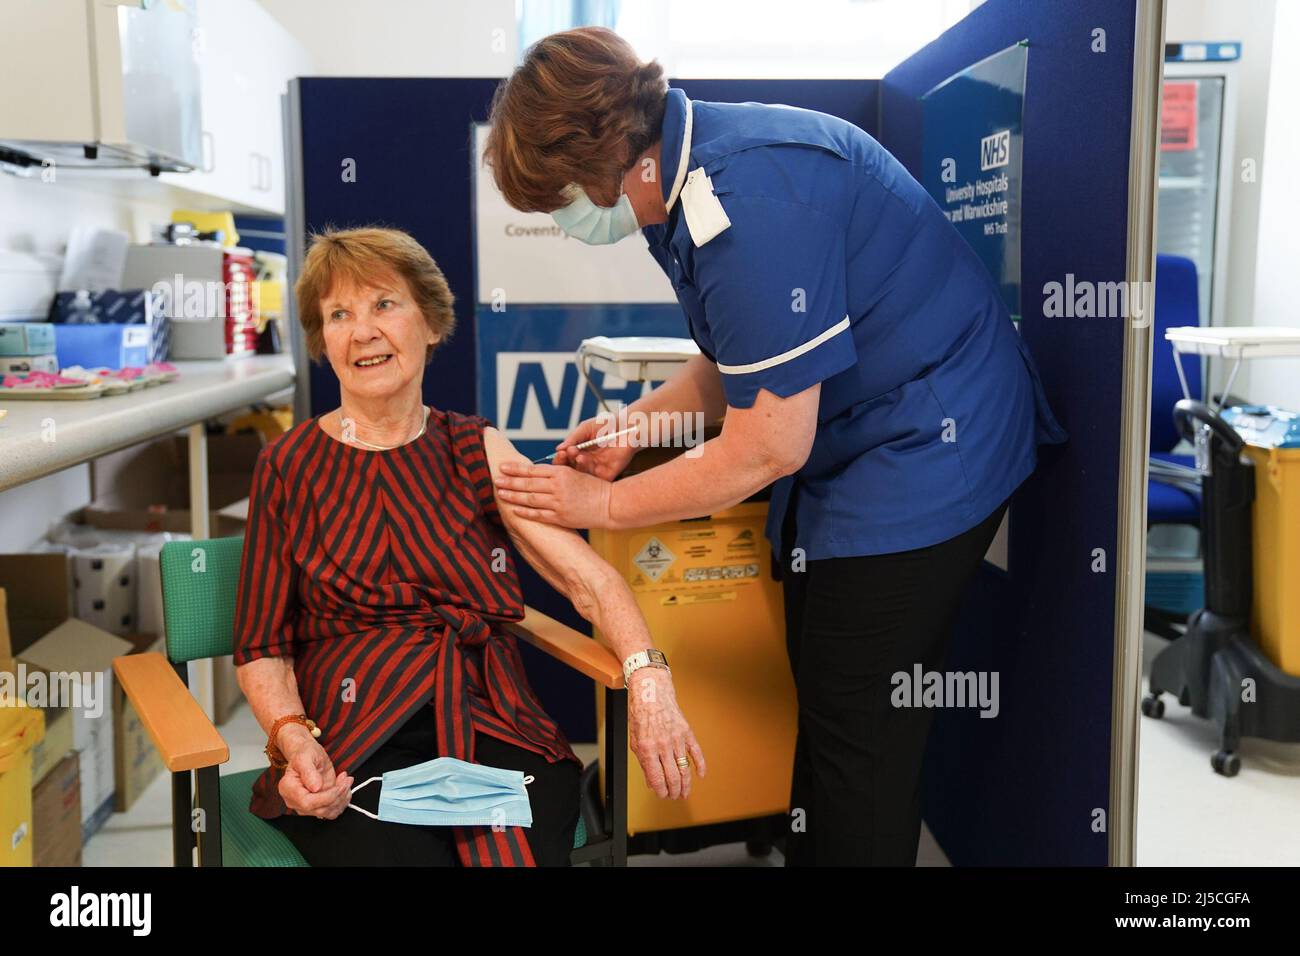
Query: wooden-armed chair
[(199, 610)]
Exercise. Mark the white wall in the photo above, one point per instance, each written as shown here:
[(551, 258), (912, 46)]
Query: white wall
[(1250, 22), (1277, 293), (35, 220), (403, 37)]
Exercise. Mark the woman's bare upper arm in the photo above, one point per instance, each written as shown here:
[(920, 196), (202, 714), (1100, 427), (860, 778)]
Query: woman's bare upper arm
[(558, 547)]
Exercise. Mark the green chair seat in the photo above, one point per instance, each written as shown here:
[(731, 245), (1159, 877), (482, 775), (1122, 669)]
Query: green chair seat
[(248, 840)]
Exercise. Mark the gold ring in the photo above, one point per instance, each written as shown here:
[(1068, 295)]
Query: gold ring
[(683, 762)]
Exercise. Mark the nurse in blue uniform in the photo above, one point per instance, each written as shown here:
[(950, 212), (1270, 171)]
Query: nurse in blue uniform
[(867, 368)]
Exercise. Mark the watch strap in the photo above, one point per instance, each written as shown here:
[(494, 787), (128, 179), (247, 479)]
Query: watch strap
[(650, 657)]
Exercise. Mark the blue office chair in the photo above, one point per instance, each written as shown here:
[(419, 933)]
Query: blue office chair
[(1173, 495)]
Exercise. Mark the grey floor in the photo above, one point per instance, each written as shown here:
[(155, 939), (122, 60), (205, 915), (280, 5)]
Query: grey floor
[(1187, 814)]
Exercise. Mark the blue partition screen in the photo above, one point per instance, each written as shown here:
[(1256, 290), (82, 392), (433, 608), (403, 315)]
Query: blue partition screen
[(1032, 785)]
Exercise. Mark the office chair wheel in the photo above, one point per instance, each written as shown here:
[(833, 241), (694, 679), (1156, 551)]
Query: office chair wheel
[(1226, 763), (1153, 707)]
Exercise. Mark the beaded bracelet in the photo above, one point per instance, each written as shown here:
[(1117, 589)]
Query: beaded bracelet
[(273, 753)]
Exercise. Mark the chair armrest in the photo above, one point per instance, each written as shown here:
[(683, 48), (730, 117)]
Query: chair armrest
[(569, 647), (177, 725)]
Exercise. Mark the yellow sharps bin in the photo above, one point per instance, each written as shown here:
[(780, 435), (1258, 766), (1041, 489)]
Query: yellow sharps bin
[(1275, 614), (706, 589), (1272, 437), (21, 729)]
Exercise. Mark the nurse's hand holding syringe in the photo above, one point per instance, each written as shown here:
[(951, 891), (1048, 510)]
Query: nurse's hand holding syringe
[(695, 387), (596, 442)]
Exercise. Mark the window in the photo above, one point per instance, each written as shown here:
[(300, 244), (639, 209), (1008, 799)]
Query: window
[(758, 39)]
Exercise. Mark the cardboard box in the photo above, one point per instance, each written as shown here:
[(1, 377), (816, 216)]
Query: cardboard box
[(146, 487), (145, 308), (56, 816), (96, 818), (38, 590), (136, 760), (81, 653), (95, 346), (104, 586), (114, 750), (56, 745)]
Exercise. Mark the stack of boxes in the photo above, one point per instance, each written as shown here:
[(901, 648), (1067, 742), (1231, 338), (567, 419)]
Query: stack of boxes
[(64, 619), (93, 755), (114, 328), (209, 296), (79, 657)]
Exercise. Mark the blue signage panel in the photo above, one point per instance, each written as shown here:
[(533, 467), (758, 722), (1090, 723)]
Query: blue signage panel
[(529, 382), (971, 160)]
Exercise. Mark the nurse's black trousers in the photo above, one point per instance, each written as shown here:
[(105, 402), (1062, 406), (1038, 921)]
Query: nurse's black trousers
[(852, 623)]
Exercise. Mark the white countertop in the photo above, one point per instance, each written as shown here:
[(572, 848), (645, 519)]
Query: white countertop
[(1240, 342), (83, 430)]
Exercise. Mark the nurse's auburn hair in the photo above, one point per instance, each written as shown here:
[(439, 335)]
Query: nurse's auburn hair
[(579, 109), (363, 258)]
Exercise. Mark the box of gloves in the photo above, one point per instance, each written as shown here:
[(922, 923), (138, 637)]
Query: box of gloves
[(95, 346)]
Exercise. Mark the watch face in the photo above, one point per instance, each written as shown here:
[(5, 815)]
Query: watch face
[(657, 657)]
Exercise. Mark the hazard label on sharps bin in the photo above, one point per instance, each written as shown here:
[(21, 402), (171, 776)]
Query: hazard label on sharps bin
[(653, 558)]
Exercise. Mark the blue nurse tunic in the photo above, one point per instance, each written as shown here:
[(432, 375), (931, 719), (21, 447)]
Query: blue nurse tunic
[(827, 262)]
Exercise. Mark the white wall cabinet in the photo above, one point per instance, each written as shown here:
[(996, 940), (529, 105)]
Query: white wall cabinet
[(113, 84), (246, 59)]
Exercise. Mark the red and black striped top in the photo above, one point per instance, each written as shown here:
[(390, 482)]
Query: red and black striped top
[(387, 576)]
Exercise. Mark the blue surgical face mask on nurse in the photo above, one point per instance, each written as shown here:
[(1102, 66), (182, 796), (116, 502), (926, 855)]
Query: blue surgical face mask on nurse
[(595, 225)]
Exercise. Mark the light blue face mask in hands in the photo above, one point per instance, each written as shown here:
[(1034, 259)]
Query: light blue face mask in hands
[(595, 225), (446, 792)]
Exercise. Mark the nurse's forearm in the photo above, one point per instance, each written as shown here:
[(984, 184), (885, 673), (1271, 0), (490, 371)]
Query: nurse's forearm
[(695, 387), (723, 474)]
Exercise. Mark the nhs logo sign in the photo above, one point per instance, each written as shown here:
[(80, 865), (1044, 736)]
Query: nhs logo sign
[(541, 396), (995, 150)]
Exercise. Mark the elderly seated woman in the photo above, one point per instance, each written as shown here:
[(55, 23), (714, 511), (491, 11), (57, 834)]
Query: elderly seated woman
[(375, 580)]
